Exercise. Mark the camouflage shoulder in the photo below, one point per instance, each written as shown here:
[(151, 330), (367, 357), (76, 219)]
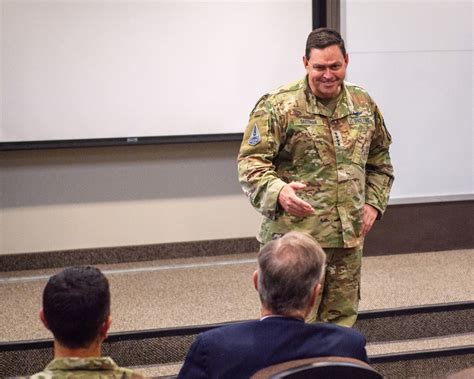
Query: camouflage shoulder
[(260, 102), (360, 96), (280, 93), (121, 373), (355, 89), (290, 87), (130, 374)]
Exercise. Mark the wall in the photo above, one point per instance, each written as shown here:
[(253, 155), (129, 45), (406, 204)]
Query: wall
[(84, 198), (415, 59), (81, 198)]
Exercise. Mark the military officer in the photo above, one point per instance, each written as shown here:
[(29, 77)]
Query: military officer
[(315, 158), (76, 309)]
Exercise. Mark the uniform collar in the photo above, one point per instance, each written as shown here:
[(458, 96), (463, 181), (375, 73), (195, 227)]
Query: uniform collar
[(345, 105), (74, 363)]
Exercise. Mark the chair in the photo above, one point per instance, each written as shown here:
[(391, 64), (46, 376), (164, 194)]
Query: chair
[(320, 368)]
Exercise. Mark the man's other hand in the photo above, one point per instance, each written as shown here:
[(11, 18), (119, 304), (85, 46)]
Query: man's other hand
[(292, 203), (368, 218)]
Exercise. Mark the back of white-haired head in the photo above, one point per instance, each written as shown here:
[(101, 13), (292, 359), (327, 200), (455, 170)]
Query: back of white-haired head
[(288, 270)]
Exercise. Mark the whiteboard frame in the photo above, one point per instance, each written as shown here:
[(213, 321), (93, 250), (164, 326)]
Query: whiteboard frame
[(319, 16)]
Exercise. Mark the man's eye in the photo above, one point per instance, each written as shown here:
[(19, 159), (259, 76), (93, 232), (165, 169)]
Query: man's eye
[(335, 67)]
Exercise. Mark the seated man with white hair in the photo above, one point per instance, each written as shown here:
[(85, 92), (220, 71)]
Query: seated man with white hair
[(287, 281)]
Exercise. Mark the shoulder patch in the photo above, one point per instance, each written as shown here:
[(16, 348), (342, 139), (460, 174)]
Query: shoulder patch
[(255, 136)]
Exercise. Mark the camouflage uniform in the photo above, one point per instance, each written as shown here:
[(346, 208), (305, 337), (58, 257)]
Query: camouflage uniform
[(342, 157), (77, 368)]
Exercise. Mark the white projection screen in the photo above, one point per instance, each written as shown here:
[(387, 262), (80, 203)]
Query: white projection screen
[(102, 69)]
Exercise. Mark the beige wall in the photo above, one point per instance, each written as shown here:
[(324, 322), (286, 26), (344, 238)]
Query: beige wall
[(100, 197)]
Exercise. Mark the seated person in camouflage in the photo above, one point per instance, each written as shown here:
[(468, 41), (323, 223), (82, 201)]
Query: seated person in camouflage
[(76, 309)]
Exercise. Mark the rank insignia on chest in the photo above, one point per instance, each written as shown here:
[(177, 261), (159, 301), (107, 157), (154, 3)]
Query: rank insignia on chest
[(255, 136)]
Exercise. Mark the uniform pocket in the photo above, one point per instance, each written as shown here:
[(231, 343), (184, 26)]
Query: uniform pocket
[(322, 144), (303, 148), (365, 129)]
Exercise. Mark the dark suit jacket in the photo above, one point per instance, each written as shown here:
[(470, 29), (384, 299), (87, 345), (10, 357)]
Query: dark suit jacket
[(238, 351)]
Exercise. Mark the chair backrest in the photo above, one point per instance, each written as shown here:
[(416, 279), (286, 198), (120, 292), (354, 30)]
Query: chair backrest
[(321, 368)]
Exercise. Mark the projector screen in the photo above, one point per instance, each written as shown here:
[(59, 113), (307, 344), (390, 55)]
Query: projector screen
[(80, 70)]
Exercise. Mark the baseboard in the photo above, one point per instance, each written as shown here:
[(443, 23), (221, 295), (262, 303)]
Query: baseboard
[(121, 254), (408, 228)]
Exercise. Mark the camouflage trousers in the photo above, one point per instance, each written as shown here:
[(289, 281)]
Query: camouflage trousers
[(338, 300)]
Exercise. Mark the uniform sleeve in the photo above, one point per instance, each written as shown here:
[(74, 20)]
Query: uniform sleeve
[(379, 170), (260, 145), (195, 364)]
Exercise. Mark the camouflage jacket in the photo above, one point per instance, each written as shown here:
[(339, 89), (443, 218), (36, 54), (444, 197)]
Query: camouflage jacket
[(78, 368), (343, 159)]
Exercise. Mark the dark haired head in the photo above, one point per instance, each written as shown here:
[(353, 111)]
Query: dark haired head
[(76, 303), (322, 38)]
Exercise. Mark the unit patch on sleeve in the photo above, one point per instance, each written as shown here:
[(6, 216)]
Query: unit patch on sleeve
[(255, 136)]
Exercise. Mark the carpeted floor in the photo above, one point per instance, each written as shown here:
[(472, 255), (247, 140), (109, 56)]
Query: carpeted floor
[(169, 293)]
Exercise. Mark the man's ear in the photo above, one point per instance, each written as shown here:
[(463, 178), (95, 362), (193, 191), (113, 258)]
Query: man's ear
[(346, 59), (314, 295), (318, 289), (255, 279), (305, 61), (43, 319), (105, 327)]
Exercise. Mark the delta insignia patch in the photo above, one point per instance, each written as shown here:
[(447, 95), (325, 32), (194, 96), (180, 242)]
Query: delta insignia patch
[(255, 136)]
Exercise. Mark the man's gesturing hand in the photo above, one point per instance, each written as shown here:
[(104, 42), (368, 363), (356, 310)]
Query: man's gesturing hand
[(368, 218), (292, 203)]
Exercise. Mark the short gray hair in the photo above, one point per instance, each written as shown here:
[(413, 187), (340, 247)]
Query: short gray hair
[(288, 270)]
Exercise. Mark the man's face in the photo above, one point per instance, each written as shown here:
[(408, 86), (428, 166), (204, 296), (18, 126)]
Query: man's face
[(326, 70)]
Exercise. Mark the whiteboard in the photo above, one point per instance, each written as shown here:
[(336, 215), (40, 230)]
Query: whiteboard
[(83, 69), (415, 59)]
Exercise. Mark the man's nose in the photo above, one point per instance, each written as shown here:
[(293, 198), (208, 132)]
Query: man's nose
[(327, 74)]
